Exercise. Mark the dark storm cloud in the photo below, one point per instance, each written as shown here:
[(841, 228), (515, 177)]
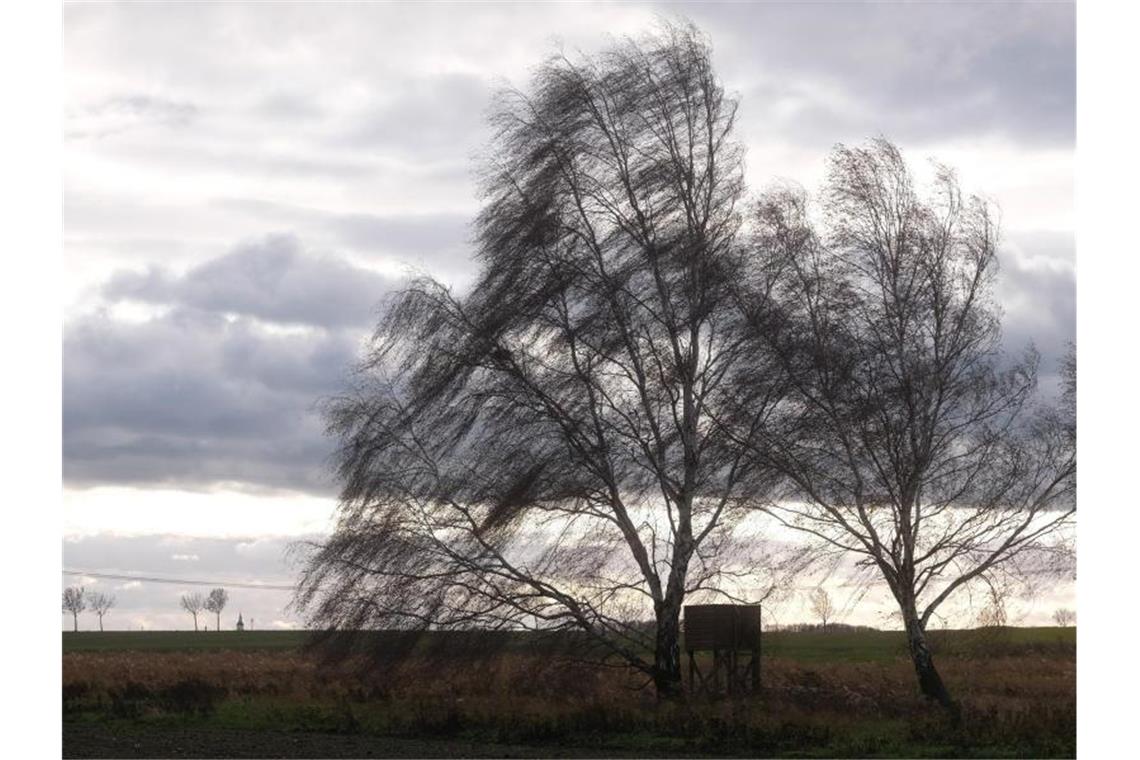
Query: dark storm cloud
[(193, 399), (213, 390), (916, 72), (1037, 292), (271, 279)]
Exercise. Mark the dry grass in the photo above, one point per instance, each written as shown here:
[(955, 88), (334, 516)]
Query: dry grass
[(1017, 701), (1015, 682)]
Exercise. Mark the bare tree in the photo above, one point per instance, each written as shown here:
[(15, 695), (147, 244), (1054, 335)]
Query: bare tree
[(215, 603), (550, 451), (916, 444), (994, 614), (1064, 617), (101, 604), (74, 601), (193, 603), (821, 605)]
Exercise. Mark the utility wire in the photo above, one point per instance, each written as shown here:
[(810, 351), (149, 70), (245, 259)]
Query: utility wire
[(182, 581)]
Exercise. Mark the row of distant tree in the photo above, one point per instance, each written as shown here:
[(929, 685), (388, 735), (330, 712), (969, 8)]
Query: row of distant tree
[(76, 599), (214, 602), (992, 615)]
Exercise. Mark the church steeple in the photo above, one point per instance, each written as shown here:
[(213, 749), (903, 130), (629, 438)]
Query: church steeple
[(240, 624)]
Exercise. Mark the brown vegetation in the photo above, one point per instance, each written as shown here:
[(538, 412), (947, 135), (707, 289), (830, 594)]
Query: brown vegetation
[(1013, 682), (1017, 694)]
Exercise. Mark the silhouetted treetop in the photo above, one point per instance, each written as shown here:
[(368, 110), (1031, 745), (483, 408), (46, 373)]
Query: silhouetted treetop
[(589, 381)]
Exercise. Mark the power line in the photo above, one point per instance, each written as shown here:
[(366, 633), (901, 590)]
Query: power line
[(181, 581)]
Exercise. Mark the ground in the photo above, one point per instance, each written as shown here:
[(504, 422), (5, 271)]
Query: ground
[(824, 694)]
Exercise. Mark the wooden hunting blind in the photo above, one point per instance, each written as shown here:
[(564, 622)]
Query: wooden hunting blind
[(727, 630)]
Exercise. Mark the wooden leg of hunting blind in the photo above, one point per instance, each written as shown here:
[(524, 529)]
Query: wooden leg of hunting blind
[(696, 677), (692, 673), (739, 677)]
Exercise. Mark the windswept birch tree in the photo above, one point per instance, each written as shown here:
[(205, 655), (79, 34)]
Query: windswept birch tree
[(914, 443), (549, 450)]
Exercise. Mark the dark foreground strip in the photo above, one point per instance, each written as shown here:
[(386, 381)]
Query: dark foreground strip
[(94, 740)]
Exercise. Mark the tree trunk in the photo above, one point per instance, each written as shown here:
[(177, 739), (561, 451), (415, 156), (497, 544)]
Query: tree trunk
[(218, 621), (195, 622), (75, 622), (667, 655), (100, 624), (928, 679)]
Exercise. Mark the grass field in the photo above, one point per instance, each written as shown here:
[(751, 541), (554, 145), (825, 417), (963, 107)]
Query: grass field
[(825, 694), (150, 641), (807, 646)]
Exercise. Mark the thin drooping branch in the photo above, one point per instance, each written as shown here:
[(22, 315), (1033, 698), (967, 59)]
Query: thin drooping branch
[(914, 443), (560, 447)]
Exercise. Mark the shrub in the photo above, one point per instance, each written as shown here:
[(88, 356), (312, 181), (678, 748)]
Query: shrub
[(191, 696), (74, 694), (129, 700)]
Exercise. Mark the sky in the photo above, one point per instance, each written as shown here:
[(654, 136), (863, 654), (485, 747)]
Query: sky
[(243, 184)]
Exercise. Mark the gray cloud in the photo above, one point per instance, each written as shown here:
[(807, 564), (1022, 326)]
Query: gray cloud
[(917, 72), (211, 390), (1037, 291), (439, 243), (384, 129), (354, 128), (192, 399), (271, 279)]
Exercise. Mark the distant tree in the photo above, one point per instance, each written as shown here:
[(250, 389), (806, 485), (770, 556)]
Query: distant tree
[(821, 605), (1064, 617), (552, 449), (215, 603), (916, 445), (100, 604), (74, 601), (193, 603), (994, 614)]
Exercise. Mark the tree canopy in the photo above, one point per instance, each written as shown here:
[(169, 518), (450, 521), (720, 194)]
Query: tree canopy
[(647, 359), (551, 449)]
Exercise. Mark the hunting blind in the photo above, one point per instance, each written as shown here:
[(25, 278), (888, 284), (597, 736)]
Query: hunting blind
[(727, 630)]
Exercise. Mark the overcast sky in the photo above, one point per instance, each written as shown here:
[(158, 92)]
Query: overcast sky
[(244, 182)]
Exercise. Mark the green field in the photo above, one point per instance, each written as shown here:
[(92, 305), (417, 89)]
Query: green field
[(803, 647), (179, 641)]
